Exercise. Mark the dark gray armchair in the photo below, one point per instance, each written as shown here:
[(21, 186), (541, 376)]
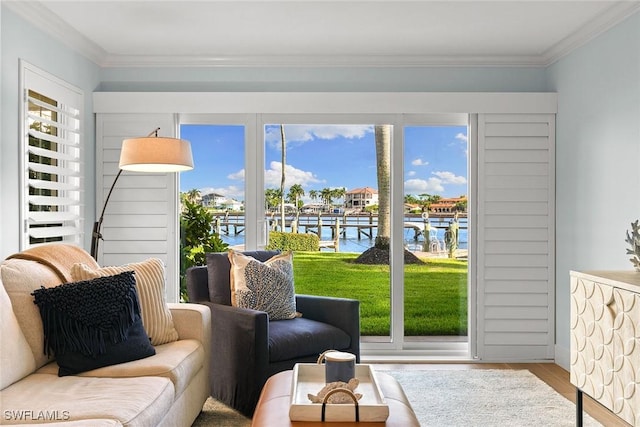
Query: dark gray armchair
[(247, 348)]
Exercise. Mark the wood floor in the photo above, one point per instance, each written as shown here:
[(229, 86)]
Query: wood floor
[(550, 373)]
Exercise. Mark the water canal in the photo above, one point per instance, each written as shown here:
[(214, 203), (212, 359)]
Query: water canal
[(357, 232)]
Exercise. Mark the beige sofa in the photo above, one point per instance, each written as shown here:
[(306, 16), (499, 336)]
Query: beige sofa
[(166, 389)]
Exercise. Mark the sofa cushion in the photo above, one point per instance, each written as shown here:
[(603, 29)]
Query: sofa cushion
[(302, 337), (178, 361), (263, 286), (93, 323), (142, 401), (20, 278), (16, 359), (219, 272), (150, 281)]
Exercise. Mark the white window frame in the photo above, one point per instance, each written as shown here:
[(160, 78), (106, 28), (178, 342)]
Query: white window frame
[(67, 224), (255, 225), (404, 108)]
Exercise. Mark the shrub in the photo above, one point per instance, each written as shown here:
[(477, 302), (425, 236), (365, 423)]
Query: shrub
[(196, 239), (283, 241)]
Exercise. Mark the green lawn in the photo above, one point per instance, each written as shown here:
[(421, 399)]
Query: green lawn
[(435, 292)]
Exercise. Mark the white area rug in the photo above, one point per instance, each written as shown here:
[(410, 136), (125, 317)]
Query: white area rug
[(216, 414), (459, 398), (486, 398)]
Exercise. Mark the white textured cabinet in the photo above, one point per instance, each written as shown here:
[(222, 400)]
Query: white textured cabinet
[(605, 339)]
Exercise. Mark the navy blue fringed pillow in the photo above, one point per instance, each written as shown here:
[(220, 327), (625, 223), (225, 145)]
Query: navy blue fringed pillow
[(93, 323)]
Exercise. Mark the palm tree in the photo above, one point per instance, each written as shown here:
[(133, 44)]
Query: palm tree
[(314, 194), (192, 195), (427, 200), (282, 175), (339, 193), (326, 196), (295, 193), (461, 206), (272, 197), (411, 199), (383, 166), (379, 253)]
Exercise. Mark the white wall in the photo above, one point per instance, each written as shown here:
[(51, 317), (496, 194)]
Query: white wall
[(597, 159), (326, 79), (21, 40)]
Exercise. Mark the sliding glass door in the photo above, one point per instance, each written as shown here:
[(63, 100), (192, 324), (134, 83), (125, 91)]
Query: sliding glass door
[(217, 181), (322, 187), (436, 230), (383, 198)]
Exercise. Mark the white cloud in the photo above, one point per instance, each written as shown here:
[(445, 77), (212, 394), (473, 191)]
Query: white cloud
[(237, 176), (231, 191), (411, 173), (419, 162), (304, 133), (462, 137), (272, 176), (420, 186), (450, 178)]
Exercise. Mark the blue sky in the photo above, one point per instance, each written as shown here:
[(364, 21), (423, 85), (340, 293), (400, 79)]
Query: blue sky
[(326, 156)]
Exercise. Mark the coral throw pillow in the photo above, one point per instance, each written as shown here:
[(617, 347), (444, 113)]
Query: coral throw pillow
[(264, 286), (150, 282)]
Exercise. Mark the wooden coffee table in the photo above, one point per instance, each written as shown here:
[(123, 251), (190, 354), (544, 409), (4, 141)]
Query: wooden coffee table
[(275, 399)]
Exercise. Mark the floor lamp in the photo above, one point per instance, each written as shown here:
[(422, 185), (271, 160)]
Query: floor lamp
[(146, 154)]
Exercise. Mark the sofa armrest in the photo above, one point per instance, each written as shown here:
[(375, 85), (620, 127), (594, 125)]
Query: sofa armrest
[(343, 313), (192, 321)]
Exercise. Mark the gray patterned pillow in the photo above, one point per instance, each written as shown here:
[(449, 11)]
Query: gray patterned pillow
[(264, 286)]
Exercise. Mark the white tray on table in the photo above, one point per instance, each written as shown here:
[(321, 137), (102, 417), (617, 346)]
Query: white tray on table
[(308, 378)]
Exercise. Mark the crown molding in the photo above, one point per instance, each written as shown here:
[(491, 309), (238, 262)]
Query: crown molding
[(42, 18), (320, 61), (38, 15), (607, 20)]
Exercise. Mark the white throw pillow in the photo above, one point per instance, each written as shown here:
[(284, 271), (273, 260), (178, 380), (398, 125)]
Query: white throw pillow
[(150, 282)]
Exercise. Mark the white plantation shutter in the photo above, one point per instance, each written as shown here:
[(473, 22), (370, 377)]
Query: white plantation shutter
[(516, 236), (141, 219), (52, 184)]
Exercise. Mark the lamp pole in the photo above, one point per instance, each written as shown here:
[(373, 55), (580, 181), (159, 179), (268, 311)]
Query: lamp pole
[(96, 235), (163, 155)]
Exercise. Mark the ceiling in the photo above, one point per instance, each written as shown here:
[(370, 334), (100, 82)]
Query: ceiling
[(324, 33)]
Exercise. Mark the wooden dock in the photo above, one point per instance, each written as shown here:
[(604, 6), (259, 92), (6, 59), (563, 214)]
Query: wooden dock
[(232, 224)]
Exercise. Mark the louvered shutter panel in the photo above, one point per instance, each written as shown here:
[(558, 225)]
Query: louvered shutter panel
[(141, 219), (53, 184), (516, 236)]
